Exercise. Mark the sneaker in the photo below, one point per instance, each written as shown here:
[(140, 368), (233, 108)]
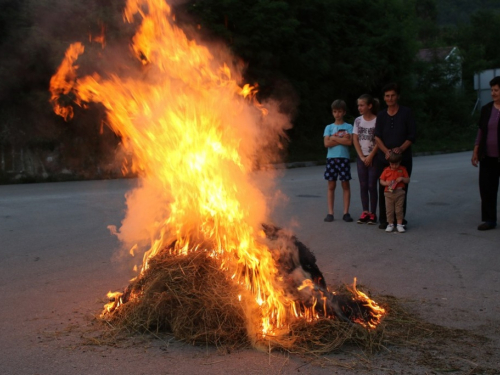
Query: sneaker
[(383, 225), (347, 217), (401, 228), (365, 216), (329, 218), (372, 220), (390, 228)]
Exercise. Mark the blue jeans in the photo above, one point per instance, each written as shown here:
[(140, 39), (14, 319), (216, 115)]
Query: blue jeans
[(368, 186)]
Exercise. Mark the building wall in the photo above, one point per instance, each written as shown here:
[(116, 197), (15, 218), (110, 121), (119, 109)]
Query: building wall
[(482, 85)]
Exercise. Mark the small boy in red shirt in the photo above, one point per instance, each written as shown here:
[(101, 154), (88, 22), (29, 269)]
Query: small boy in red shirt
[(394, 178)]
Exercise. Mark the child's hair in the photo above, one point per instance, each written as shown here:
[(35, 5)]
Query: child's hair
[(391, 86), (370, 100), (395, 158), (339, 104)]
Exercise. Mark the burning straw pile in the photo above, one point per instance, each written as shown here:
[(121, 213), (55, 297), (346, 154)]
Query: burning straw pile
[(191, 297)]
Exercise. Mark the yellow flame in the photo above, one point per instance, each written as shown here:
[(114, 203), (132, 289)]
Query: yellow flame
[(377, 311), (115, 301)]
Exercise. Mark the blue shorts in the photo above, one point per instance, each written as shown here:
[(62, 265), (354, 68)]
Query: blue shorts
[(338, 168)]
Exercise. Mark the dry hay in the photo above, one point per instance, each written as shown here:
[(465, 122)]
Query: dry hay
[(325, 336), (188, 296), (192, 298)]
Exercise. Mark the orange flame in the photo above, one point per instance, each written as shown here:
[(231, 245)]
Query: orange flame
[(62, 82), (101, 39), (194, 133), (377, 311)]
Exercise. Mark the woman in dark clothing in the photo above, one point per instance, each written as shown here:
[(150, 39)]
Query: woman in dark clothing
[(395, 132), (487, 155)]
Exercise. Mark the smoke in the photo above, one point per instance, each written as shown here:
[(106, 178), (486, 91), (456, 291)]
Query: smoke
[(33, 39), (193, 128)]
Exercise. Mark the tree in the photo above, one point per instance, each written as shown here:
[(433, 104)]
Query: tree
[(427, 16), (453, 12), (479, 42), (34, 35), (322, 50)]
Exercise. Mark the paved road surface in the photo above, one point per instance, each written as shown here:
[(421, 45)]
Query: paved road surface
[(57, 263)]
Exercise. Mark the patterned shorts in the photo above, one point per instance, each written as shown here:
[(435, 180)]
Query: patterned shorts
[(338, 168)]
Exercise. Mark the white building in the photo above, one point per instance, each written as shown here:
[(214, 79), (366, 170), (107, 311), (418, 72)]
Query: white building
[(482, 85)]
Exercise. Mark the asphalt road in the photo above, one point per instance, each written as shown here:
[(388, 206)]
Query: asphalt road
[(58, 260)]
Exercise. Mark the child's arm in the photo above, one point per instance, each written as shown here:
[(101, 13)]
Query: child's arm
[(357, 146), (382, 179), (385, 183), (329, 141), (369, 159), (346, 140), (405, 178)]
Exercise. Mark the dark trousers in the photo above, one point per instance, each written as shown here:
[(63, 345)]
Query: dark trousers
[(368, 181), (381, 165), (489, 175)]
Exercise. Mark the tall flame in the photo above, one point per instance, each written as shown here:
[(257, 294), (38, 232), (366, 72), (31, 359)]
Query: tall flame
[(195, 134)]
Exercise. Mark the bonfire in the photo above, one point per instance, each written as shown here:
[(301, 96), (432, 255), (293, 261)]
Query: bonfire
[(209, 267)]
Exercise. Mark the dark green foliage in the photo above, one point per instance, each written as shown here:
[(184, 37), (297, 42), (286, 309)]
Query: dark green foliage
[(442, 108), (452, 12), (322, 50), (442, 102), (305, 53), (427, 14), (479, 43)]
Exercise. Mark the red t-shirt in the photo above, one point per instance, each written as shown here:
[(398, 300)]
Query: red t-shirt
[(391, 174)]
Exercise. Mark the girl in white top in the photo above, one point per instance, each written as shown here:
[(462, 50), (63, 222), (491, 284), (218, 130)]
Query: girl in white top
[(366, 148)]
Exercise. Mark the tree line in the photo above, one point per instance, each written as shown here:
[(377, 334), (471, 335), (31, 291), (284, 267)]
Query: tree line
[(304, 53)]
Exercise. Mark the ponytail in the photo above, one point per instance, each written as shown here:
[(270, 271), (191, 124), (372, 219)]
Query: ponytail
[(370, 100)]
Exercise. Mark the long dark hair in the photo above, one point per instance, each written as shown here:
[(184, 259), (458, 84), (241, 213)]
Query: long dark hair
[(370, 100)]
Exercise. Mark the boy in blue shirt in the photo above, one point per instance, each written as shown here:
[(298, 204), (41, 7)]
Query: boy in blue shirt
[(337, 139)]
